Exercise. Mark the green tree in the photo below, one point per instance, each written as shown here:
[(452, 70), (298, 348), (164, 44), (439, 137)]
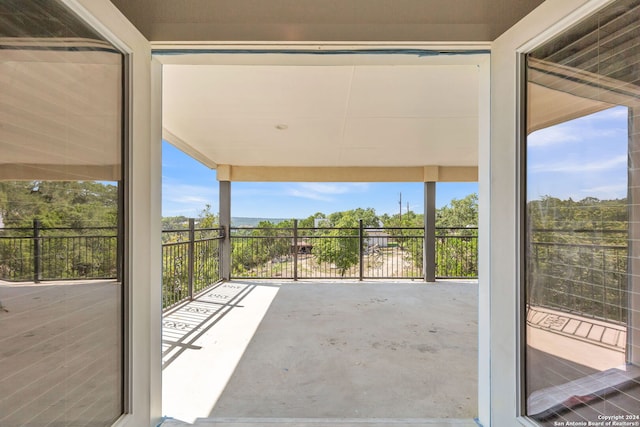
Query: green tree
[(459, 213), (175, 222), (340, 246), (455, 249), (206, 251), (310, 221), (578, 254), (409, 219), (206, 218), (265, 243), (368, 217), (74, 206), (456, 238)]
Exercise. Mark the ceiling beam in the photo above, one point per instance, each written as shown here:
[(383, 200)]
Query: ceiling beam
[(347, 174)]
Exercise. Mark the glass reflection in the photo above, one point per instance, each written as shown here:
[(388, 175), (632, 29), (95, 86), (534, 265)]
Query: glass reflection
[(61, 183), (582, 297), (577, 243)]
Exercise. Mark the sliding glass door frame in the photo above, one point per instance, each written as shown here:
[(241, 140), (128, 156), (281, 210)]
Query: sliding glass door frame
[(140, 224), (588, 9)]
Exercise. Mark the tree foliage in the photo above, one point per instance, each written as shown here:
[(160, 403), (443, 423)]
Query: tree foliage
[(75, 204), (175, 222), (206, 218), (408, 219), (456, 242), (459, 213), (368, 217), (266, 242), (584, 221), (578, 255), (175, 255), (68, 214), (340, 246)]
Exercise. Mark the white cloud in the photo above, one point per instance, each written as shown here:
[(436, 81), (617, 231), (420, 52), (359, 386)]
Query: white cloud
[(552, 136), (334, 188), (308, 195), (583, 128), (324, 191), (575, 167), (606, 192), (614, 113), (186, 199)]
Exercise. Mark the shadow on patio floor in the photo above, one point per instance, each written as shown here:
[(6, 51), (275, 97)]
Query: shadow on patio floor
[(372, 350)]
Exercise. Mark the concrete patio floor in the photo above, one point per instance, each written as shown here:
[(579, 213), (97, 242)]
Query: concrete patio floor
[(342, 354)]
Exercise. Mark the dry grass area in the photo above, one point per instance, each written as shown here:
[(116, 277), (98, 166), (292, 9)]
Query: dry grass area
[(382, 263)]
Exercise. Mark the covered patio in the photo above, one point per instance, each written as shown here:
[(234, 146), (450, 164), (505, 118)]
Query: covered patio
[(334, 115), (374, 351), (272, 91), (335, 353)]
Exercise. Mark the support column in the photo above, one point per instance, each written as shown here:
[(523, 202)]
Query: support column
[(429, 252), (225, 223), (633, 296)]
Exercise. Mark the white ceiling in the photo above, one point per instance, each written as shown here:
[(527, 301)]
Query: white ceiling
[(358, 115)]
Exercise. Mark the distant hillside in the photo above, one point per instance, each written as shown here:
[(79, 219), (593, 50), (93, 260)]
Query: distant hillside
[(182, 222), (252, 222)]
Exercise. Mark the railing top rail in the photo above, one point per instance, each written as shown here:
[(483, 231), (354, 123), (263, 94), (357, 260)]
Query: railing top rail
[(475, 227), (167, 244), (579, 245), (349, 228), (58, 228), (292, 228), (182, 230), (576, 230)]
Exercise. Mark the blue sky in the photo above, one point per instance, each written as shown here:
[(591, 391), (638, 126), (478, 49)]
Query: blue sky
[(585, 157), (187, 186), (580, 158)]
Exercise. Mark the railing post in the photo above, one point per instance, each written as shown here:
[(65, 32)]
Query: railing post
[(37, 252), (295, 249), (222, 235), (361, 249), (120, 260), (191, 256)]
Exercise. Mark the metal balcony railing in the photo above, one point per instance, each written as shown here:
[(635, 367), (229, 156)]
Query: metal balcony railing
[(190, 262), (190, 257), (41, 253), (356, 253), (587, 279)]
